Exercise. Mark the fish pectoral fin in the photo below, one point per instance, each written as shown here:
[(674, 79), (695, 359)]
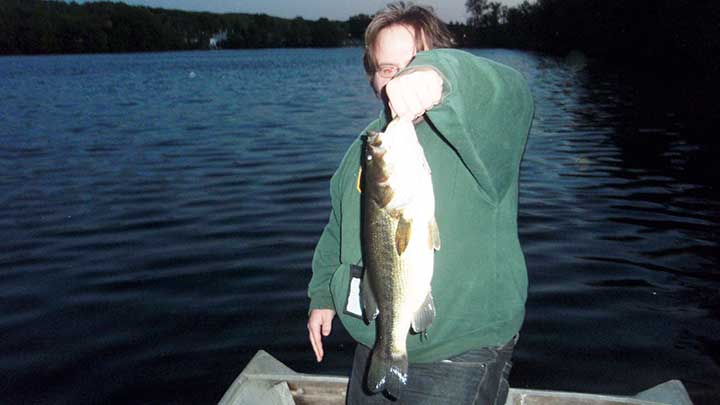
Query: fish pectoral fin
[(370, 307), (402, 235), (434, 235), (425, 315)]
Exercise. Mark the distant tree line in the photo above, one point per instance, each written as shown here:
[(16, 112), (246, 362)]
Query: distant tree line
[(671, 32), (48, 26), (665, 31)]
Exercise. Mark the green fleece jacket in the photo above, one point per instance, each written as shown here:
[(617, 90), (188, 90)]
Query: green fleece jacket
[(474, 141)]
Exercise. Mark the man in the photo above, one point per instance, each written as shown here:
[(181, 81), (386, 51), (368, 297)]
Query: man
[(472, 118)]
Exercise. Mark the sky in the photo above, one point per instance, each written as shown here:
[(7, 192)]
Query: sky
[(448, 10)]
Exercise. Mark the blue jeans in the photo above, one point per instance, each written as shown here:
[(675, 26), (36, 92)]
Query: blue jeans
[(474, 377)]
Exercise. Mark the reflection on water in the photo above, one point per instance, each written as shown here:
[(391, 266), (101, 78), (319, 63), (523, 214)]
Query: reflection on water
[(158, 214)]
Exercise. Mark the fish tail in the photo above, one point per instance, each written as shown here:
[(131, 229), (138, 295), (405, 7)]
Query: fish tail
[(387, 372)]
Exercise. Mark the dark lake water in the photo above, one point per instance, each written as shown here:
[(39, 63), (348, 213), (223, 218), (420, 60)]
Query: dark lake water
[(158, 214)]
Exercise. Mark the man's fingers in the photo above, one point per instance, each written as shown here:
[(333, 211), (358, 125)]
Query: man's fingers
[(408, 97), (395, 102), (316, 340), (431, 94), (403, 105), (411, 95), (393, 113), (311, 338), (319, 325), (419, 103)]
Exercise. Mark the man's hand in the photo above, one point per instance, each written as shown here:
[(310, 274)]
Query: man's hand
[(411, 94), (320, 322)]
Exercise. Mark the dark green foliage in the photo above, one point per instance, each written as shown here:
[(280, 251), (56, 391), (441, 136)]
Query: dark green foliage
[(675, 33), (49, 26), (326, 33), (671, 32), (356, 26)]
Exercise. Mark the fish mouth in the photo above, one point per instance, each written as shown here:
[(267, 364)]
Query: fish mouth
[(374, 151), (374, 143), (372, 137)]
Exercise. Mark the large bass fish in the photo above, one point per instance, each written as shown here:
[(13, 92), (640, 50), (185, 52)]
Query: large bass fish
[(399, 238)]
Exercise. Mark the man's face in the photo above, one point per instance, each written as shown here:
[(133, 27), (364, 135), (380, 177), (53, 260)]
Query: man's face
[(394, 50)]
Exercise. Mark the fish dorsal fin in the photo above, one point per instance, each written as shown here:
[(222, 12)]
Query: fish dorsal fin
[(370, 307), (425, 315), (402, 235), (434, 235)]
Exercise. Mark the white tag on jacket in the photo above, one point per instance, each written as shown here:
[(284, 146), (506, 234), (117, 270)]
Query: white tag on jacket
[(353, 307)]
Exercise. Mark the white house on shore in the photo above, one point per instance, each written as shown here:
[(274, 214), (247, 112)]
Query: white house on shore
[(217, 38)]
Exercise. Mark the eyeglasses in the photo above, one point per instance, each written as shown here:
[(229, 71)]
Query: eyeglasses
[(387, 71)]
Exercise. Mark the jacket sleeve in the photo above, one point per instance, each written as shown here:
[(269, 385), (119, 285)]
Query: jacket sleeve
[(485, 115), (326, 258)]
